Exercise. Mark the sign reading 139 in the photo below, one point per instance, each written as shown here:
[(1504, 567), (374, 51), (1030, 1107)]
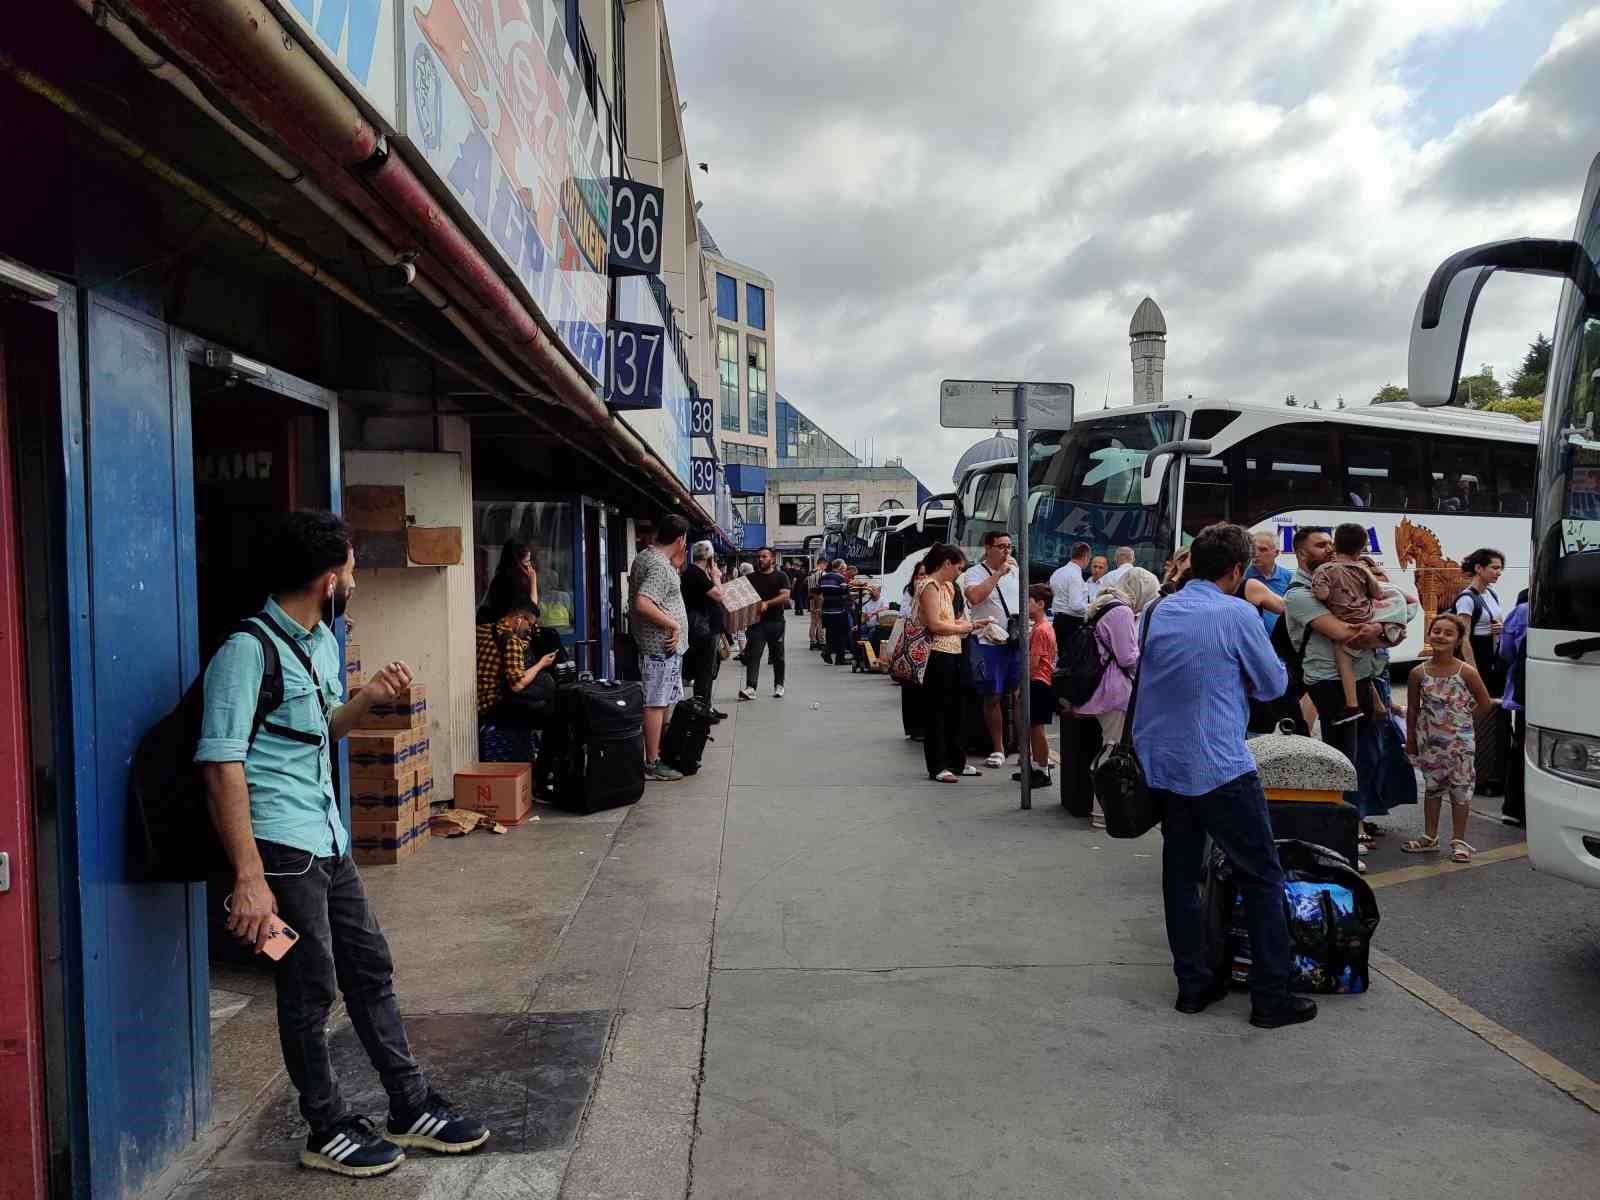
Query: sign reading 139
[(702, 476), (634, 364)]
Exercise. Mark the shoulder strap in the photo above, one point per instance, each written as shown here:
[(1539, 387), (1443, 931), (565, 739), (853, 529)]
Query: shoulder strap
[(1477, 605), (1133, 698), (294, 735), (269, 695), (1000, 591)]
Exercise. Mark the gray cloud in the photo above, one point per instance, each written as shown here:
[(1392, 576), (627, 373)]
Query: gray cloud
[(988, 190)]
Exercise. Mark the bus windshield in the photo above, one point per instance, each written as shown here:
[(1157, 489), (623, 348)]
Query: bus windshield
[(1566, 592), (1084, 487)]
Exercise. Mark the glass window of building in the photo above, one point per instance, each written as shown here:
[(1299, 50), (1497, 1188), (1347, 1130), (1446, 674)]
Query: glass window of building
[(727, 297), (755, 306), (836, 508), (752, 510), (756, 355), (546, 528), (740, 454), (728, 375), (794, 509)]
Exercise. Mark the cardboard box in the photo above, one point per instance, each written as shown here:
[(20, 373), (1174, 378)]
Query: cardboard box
[(383, 806), (424, 774), (419, 752), (408, 710), (378, 850), (503, 791), (381, 753), (741, 604)]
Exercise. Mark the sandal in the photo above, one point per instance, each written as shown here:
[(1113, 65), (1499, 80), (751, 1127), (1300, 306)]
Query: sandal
[(1421, 845), (1097, 821), (946, 777), (969, 770), (1459, 851), (995, 761)]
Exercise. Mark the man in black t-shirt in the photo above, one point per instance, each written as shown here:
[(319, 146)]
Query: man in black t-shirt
[(772, 585)]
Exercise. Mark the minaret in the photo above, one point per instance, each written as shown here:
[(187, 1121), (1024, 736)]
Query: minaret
[(1148, 346)]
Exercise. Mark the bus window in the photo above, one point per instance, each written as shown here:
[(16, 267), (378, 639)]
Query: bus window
[(1463, 477), (1285, 468), (1207, 495), (1513, 478), (1383, 470)]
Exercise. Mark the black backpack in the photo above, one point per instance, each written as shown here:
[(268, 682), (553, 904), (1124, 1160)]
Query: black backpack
[(1293, 656), (172, 834), (1082, 668), (1478, 606)]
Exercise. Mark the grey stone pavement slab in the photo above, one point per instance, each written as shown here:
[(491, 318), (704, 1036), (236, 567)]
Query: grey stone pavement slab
[(918, 990)]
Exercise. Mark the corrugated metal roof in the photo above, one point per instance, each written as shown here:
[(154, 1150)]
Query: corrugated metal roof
[(830, 474), (707, 242)]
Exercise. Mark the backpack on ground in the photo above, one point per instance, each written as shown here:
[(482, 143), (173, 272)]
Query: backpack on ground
[(1082, 667), (172, 832), (683, 744)]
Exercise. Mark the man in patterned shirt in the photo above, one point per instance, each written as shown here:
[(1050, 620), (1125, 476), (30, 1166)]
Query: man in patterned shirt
[(660, 628)]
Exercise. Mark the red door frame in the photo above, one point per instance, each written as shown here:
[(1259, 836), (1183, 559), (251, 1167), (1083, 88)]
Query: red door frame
[(22, 1115)]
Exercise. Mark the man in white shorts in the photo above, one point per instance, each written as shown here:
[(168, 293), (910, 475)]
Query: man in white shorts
[(661, 630)]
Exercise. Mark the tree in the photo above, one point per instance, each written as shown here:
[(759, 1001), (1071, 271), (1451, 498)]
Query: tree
[(1529, 408), (1477, 391), (1389, 393), (1530, 376)]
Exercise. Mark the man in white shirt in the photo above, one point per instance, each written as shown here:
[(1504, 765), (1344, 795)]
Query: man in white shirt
[(1124, 562), (990, 588), (1097, 574), (1071, 596)]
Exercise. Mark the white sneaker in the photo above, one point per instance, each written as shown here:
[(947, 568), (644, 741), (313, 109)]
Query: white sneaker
[(747, 693), (777, 692)]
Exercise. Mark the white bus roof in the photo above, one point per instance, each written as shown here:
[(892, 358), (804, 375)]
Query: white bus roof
[(1398, 415)]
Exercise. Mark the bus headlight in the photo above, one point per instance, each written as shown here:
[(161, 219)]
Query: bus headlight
[(1571, 756)]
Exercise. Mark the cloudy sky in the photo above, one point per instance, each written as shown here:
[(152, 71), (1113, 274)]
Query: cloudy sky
[(986, 190)]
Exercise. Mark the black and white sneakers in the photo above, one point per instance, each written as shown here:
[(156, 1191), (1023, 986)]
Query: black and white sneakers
[(352, 1147), (438, 1125)]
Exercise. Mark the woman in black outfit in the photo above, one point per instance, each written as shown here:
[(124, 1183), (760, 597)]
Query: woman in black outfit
[(702, 600), (516, 579), (943, 693)]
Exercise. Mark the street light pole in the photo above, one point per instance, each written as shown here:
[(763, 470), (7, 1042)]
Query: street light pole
[(1025, 767)]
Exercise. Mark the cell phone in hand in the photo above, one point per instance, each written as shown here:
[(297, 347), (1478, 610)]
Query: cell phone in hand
[(280, 940)]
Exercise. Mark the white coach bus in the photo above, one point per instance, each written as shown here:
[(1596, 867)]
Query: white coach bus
[(1563, 678), (1430, 487)]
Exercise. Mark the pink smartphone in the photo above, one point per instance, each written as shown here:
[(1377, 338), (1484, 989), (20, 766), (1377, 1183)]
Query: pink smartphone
[(280, 940)]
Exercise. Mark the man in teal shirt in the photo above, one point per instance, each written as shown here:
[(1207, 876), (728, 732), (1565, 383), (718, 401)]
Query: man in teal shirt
[(274, 805), (1264, 566)]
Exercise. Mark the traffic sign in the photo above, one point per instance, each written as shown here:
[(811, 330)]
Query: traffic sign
[(991, 404)]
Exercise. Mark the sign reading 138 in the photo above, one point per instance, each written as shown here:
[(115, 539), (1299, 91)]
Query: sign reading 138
[(634, 364), (700, 416)]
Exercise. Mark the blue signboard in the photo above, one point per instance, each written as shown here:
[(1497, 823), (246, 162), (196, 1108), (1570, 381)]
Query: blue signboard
[(634, 361)]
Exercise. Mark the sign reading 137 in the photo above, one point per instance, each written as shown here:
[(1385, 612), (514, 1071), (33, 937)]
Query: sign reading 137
[(635, 228), (634, 364)]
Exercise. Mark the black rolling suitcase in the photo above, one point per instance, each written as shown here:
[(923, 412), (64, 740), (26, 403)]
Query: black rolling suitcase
[(1335, 826), (684, 742), (594, 753)]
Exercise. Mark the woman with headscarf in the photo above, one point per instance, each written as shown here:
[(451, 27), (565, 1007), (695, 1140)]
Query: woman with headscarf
[(1114, 616), (516, 580)]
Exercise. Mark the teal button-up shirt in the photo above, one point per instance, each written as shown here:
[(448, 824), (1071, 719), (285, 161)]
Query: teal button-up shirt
[(292, 800)]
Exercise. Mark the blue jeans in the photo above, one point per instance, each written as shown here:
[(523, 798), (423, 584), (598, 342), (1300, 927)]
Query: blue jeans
[(1235, 815)]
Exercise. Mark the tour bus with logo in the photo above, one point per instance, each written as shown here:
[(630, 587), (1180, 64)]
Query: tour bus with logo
[(1429, 488), (1563, 646)]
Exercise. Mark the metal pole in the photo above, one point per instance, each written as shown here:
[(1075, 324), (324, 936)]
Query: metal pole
[(1024, 766)]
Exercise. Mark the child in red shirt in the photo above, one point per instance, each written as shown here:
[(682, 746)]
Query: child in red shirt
[(1041, 686)]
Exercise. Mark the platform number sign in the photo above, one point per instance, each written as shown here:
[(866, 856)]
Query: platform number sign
[(634, 355), (700, 413), (702, 476), (635, 228)]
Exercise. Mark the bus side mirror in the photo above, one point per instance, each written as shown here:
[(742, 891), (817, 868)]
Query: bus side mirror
[(1157, 461), (1444, 314)]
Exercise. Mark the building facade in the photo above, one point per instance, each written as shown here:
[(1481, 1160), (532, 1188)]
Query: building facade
[(805, 501)]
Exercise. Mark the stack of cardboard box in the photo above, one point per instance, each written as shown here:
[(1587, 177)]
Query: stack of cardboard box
[(391, 780), (354, 677)]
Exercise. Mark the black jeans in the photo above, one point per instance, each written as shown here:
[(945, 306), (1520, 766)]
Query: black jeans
[(943, 713), (769, 634), (1516, 768), (323, 901), (1328, 696), (912, 717), (1064, 626), (701, 666), (837, 628), (1235, 816)]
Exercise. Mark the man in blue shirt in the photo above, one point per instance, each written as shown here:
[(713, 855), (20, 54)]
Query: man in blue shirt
[(1205, 657), (1264, 566), (273, 802), (835, 592)]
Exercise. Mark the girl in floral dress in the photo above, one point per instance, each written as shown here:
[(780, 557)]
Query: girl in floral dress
[(1445, 695)]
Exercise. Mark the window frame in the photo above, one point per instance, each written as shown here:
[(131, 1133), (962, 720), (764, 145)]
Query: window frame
[(756, 407), (799, 501), (733, 286), (726, 366), (833, 503), (744, 505), (759, 308)]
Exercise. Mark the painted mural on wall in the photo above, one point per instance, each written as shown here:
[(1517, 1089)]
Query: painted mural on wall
[(495, 105)]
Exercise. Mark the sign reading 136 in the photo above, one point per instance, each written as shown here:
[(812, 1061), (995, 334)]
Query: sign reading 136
[(634, 363)]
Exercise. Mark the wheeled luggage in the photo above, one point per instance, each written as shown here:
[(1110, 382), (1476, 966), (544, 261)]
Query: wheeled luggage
[(683, 744), (1336, 826), (592, 754)]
